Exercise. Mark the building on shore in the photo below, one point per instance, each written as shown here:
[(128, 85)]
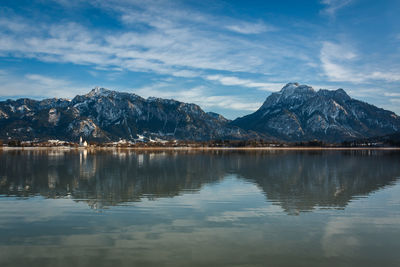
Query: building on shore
[(82, 142)]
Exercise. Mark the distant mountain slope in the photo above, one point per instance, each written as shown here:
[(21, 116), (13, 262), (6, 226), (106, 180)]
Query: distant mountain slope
[(299, 113), (109, 115)]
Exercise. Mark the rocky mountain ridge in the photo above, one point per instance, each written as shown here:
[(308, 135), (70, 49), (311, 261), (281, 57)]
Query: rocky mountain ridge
[(296, 113), (106, 115), (299, 113)]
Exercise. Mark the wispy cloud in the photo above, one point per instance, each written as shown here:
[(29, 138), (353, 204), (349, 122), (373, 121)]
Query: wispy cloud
[(334, 58), (392, 94), (199, 95), (365, 92), (164, 51), (388, 76), (235, 81), (186, 73), (332, 6), (340, 63), (250, 28), (177, 41), (46, 81), (151, 12), (37, 86)]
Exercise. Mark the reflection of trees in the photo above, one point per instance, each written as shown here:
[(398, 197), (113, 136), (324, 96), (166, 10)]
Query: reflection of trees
[(298, 181)]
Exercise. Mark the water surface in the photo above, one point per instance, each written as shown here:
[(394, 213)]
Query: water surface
[(219, 208)]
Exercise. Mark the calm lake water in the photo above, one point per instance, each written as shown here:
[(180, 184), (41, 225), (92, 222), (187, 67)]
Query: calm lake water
[(219, 208)]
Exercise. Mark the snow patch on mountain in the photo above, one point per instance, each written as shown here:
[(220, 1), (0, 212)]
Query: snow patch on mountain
[(54, 116)]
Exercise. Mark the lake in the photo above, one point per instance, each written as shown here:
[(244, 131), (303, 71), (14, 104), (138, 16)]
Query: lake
[(193, 208)]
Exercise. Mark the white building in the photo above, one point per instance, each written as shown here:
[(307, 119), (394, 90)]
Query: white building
[(82, 143)]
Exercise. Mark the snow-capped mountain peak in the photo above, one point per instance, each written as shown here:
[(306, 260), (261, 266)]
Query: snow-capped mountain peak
[(99, 91), (298, 113), (292, 88)]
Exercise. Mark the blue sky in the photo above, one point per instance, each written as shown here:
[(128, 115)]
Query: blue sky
[(226, 56)]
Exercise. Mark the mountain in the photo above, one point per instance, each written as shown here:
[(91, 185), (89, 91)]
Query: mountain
[(106, 115), (296, 113), (299, 113)]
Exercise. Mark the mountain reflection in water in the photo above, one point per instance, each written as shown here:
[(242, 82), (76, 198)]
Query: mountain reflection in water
[(298, 181)]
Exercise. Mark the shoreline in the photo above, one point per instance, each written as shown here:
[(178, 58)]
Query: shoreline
[(196, 148)]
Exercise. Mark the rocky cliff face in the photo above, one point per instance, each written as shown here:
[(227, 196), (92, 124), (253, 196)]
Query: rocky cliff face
[(109, 115), (299, 113)]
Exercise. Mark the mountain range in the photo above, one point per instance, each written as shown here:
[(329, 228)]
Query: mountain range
[(295, 113)]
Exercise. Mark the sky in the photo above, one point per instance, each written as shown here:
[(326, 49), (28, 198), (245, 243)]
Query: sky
[(226, 56)]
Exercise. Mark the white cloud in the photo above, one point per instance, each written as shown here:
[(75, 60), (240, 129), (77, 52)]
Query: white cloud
[(37, 86), (161, 50), (250, 28), (365, 92), (199, 96), (186, 73), (332, 6), (341, 64), (153, 13), (176, 41), (392, 94), (333, 58), (227, 80), (46, 81), (234, 81), (388, 76), (13, 25)]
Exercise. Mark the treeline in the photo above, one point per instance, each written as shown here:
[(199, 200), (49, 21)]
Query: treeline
[(377, 142), (19, 143)]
